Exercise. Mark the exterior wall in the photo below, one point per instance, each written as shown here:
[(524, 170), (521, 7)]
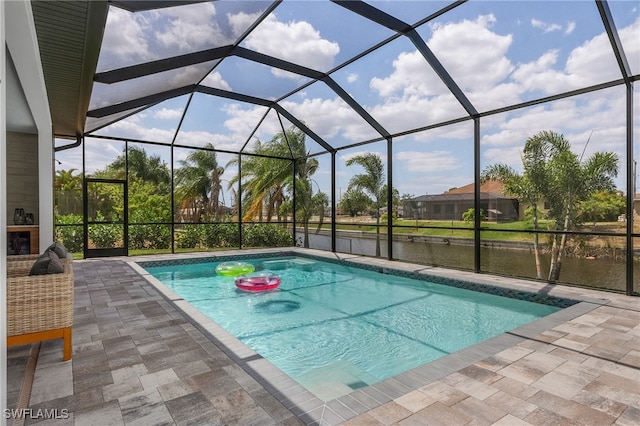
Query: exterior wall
[(22, 175), (22, 44), (3, 222), (18, 37)]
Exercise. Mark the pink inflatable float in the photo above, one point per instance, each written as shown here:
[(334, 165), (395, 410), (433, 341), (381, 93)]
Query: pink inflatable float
[(259, 281)]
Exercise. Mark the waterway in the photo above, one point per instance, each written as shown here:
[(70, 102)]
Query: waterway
[(601, 273)]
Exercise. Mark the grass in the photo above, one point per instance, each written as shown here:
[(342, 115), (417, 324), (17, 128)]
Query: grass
[(511, 231), (445, 229)]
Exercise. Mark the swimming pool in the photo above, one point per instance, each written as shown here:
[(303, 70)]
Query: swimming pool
[(335, 328)]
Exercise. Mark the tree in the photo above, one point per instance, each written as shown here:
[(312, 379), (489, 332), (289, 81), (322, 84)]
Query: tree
[(395, 199), (552, 170), (269, 181), (198, 183), (602, 206), (320, 203), (354, 202), (142, 166), (68, 190), (470, 215), (371, 182)]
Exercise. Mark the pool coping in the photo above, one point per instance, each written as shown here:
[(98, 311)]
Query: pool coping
[(310, 408)]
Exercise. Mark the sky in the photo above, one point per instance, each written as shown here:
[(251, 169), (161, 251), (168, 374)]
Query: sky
[(499, 53)]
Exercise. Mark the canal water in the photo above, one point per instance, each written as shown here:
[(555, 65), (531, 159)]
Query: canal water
[(600, 273)]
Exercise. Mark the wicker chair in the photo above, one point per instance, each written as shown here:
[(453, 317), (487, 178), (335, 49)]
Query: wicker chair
[(39, 307)]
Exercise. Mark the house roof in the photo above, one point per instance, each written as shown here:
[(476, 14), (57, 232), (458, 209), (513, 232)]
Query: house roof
[(493, 186), (491, 189)]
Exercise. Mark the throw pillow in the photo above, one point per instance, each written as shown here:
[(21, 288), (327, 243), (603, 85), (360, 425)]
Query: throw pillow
[(60, 250), (48, 263)]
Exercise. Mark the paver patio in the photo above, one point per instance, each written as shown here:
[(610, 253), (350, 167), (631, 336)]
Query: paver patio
[(140, 358)]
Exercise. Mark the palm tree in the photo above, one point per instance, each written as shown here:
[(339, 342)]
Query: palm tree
[(262, 184), (267, 181), (199, 182), (371, 182), (320, 202), (558, 176), (566, 180), (142, 166)]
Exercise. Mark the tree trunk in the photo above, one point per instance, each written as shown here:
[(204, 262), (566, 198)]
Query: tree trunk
[(306, 234), (378, 232), (556, 260), (321, 220), (536, 247)]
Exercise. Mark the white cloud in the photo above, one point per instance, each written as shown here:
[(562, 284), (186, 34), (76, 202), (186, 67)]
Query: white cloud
[(412, 112), (629, 37), (241, 21), (124, 37), (544, 26), (411, 76), (331, 118), (167, 114), (201, 138), (472, 53), (593, 61), (242, 121), (216, 81), (133, 127), (190, 28), (571, 26), (352, 77), (427, 162), (509, 156), (294, 41)]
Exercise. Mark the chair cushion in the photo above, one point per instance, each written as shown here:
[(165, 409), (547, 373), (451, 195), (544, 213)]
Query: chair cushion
[(60, 249), (48, 263)]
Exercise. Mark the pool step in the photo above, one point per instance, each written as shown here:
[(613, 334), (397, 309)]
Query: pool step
[(335, 380), (280, 264)]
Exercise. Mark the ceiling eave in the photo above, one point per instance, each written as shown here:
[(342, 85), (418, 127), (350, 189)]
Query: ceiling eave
[(69, 38)]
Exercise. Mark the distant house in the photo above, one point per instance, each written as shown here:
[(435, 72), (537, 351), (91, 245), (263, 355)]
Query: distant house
[(452, 204)]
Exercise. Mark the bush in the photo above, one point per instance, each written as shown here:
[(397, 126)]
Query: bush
[(220, 235), (394, 217), (469, 215), (149, 236), (266, 235), (105, 235), (189, 236), (70, 232)]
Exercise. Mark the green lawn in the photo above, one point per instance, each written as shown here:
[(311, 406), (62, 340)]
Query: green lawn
[(461, 229)]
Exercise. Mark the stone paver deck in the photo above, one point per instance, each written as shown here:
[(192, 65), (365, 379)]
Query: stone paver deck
[(143, 356)]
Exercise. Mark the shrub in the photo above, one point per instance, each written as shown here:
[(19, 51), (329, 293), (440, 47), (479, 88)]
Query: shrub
[(266, 235), (105, 235), (189, 236), (69, 230), (220, 235), (469, 215), (149, 236)]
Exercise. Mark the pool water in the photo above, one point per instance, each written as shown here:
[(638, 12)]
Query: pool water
[(337, 328)]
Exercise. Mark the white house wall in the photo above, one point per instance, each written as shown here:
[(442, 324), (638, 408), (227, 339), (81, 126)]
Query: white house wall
[(22, 43), (18, 36)]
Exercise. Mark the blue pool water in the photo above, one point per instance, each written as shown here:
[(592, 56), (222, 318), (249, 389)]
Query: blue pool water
[(336, 328)]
